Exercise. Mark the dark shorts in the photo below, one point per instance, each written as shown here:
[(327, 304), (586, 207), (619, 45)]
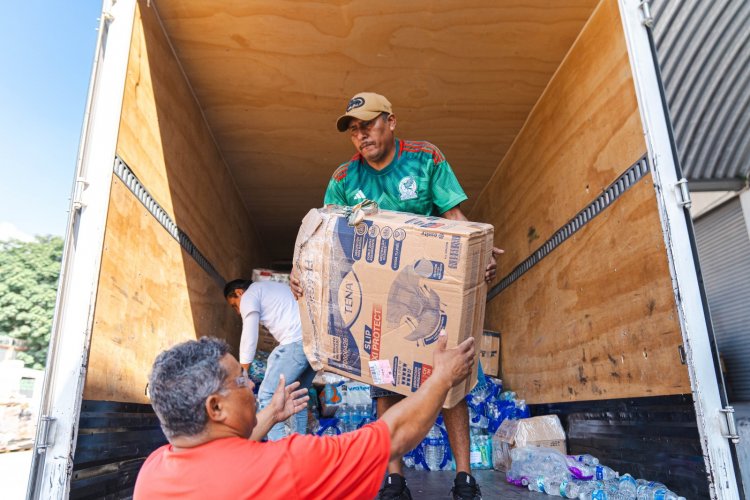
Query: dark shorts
[(378, 392)]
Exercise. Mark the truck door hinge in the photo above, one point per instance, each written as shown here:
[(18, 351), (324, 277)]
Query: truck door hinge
[(728, 412), (683, 193), (648, 19), (80, 187), (45, 424)]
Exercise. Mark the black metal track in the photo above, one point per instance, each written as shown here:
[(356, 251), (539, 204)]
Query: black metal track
[(134, 185), (633, 174)]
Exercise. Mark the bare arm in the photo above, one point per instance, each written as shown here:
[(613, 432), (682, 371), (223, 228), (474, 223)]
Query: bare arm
[(410, 419), (286, 401)]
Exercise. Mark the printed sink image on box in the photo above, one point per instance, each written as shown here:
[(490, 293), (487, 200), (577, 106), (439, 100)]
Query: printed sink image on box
[(376, 296)]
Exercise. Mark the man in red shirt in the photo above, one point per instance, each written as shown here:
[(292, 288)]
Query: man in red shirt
[(206, 407)]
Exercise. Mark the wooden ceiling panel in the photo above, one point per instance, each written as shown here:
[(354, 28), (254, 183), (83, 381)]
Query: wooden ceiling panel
[(272, 76)]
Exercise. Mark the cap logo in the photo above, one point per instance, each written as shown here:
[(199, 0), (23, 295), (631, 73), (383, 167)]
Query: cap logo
[(357, 102)]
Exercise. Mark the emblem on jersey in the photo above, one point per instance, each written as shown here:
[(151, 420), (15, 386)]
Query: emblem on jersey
[(360, 195), (357, 102), (408, 188)]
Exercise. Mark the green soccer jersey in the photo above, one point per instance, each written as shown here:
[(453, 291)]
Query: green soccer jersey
[(419, 180)]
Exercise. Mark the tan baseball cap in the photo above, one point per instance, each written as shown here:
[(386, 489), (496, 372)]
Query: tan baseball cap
[(363, 106)]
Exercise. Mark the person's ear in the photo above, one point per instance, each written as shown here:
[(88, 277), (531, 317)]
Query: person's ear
[(392, 122), (215, 408)]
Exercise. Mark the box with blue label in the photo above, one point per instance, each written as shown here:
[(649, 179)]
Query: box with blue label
[(378, 294)]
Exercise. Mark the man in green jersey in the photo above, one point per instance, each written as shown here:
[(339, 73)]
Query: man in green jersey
[(408, 176)]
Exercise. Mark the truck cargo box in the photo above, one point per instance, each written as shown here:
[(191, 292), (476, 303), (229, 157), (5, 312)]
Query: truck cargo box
[(209, 133)]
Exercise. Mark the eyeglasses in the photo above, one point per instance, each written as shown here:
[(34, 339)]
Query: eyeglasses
[(243, 380), (365, 126)]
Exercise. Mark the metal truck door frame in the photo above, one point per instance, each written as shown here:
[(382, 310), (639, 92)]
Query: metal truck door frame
[(709, 394), (67, 359)]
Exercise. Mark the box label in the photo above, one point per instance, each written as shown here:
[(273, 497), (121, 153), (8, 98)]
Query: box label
[(380, 371)]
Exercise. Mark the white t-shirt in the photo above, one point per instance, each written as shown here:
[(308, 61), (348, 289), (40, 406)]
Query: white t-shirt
[(271, 304)]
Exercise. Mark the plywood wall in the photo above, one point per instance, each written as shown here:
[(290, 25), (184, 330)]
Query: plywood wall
[(596, 319), (152, 294), (168, 145)]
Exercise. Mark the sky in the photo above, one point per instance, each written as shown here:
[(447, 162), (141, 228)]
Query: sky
[(46, 58)]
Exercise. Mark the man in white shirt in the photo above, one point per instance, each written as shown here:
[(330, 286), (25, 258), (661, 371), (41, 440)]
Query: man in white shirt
[(272, 304)]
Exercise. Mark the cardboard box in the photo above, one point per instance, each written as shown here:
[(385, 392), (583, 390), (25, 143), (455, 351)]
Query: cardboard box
[(543, 431), (262, 274), (377, 295), (489, 353)]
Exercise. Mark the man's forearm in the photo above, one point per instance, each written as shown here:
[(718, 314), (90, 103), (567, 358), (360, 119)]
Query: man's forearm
[(411, 418), (265, 420)]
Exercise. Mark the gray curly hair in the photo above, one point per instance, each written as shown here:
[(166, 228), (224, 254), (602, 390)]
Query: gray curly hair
[(181, 380)]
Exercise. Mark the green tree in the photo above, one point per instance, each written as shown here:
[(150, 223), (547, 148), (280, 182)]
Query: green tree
[(28, 285)]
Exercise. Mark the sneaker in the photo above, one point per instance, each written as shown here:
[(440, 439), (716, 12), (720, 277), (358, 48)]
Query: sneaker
[(465, 488), (394, 488)]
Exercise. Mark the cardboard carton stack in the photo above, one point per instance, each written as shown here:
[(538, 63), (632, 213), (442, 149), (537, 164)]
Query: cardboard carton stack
[(378, 295)]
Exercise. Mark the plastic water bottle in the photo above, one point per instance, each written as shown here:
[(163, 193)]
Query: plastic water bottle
[(328, 427), (507, 396), (345, 415), (532, 462), (627, 486), (659, 492), (578, 469), (360, 416), (604, 473), (585, 459), (563, 488), (409, 460), (596, 495), (434, 449), (480, 453)]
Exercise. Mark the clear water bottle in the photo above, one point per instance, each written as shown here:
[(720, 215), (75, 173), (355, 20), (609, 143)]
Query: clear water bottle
[(578, 469), (627, 486), (650, 484), (409, 460), (507, 396), (345, 415), (360, 413), (328, 427), (530, 461), (657, 493), (604, 473), (597, 495), (434, 449), (478, 449), (585, 459), (556, 488)]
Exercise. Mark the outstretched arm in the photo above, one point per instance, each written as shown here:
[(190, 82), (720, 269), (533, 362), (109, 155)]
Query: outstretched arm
[(286, 401), (410, 419)]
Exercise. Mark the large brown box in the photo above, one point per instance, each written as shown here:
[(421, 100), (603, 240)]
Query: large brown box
[(377, 295), (489, 353)]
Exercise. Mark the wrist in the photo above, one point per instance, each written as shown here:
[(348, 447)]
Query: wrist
[(442, 381)]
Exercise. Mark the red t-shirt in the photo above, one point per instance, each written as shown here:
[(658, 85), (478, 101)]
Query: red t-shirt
[(349, 466)]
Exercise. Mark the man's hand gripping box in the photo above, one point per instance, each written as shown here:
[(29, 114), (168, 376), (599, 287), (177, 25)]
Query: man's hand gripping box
[(376, 296)]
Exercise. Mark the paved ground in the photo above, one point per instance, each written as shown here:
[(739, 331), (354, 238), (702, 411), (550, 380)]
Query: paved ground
[(14, 473)]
